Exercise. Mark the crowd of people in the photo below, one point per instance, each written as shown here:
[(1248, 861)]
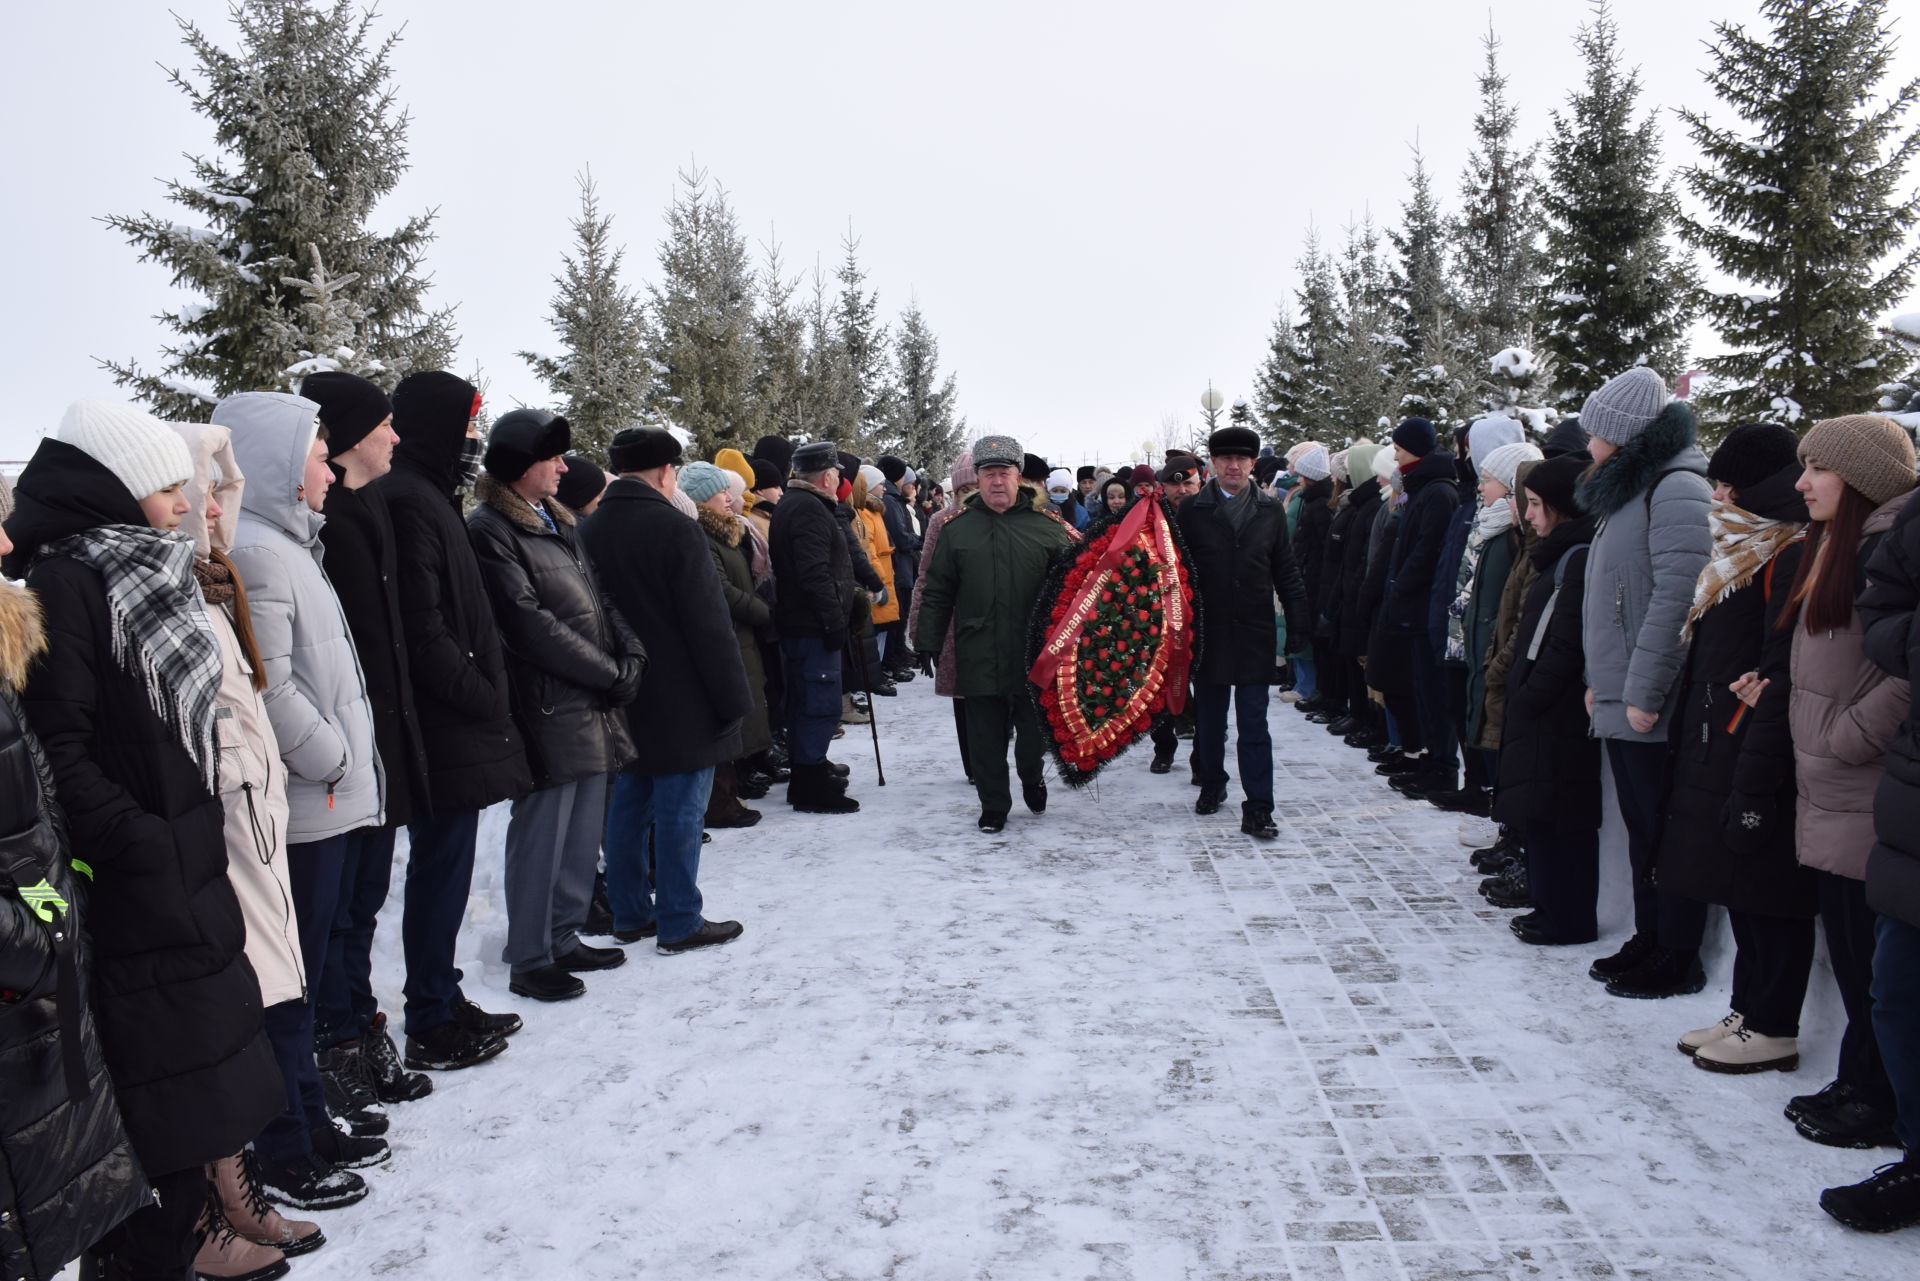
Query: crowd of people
[(243, 654)]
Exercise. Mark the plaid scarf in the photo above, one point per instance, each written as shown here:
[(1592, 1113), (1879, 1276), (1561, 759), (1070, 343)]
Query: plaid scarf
[(1742, 544), (160, 628)]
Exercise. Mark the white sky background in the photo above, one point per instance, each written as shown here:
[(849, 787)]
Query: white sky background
[(1098, 205)]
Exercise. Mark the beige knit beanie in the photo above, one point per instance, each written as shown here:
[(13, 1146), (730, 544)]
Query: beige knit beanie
[(1872, 453)]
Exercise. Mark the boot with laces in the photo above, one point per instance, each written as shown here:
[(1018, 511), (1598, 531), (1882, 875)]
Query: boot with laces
[(225, 1255), (310, 1183), (1887, 1202), (350, 1098), (1690, 1042), (1744, 1050), (236, 1185), (380, 1066)]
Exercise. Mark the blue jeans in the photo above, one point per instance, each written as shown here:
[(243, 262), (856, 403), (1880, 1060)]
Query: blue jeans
[(344, 1005), (1896, 1020), (1255, 747), (813, 697), (1305, 675), (439, 876), (652, 847)]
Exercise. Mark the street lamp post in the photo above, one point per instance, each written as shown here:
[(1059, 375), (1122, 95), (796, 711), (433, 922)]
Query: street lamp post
[(1210, 402)]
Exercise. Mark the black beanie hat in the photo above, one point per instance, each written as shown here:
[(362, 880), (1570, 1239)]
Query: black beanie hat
[(522, 437), (1085, 473), (642, 449), (1229, 442), (1554, 480), (892, 468), (766, 475), (1265, 468), (849, 465), (777, 450), (582, 483), (1752, 452), (1034, 468), (350, 407), (1416, 436)]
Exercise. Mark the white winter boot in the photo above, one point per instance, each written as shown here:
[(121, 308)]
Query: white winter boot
[(1745, 1050), (1691, 1042)]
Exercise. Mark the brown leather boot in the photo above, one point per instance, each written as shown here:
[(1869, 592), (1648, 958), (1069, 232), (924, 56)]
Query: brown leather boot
[(225, 1255), (246, 1209)]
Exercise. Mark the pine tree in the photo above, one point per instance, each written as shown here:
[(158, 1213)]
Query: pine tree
[(780, 334), (703, 319), (310, 141), (922, 428), (1322, 328), (323, 332), (1359, 365), (1806, 209), (862, 342), (1902, 395), (1278, 385), (601, 378), (1421, 298), (1616, 295), (1496, 249)]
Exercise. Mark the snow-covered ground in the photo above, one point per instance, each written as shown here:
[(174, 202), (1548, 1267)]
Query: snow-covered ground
[(1115, 1041)]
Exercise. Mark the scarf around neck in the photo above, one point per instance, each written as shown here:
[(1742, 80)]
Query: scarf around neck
[(160, 630), (1742, 545)]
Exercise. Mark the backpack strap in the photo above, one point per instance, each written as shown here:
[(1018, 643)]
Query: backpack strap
[(1655, 486)]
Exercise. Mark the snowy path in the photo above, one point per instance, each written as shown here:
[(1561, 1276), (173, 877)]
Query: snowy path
[(1118, 1041)]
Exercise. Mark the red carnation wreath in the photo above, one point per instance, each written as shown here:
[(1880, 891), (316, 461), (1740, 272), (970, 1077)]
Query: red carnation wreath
[(1114, 638)]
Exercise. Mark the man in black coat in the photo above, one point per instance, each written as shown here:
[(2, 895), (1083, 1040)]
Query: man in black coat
[(1403, 624), (574, 665), (659, 574), (350, 1032), (906, 561), (463, 706), (813, 565), (1236, 536)]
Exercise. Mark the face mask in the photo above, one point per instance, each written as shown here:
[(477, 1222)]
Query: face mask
[(466, 471)]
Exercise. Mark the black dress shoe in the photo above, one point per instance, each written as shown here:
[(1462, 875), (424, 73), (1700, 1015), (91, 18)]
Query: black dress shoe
[(548, 983), (1528, 930), (1383, 753), (583, 959), (634, 936), (710, 934), (1341, 726), (993, 820), (1476, 801), (1035, 795), (1631, 953), (1366, 737), (1211, 799), (1257, 820)]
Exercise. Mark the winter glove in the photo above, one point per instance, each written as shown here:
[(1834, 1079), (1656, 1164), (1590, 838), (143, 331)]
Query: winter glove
[(836, 640), (1749, 821), (926, 661), (626, 686), (880, 598)]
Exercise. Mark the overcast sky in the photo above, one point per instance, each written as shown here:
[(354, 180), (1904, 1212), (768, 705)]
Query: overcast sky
[(1097, 205)]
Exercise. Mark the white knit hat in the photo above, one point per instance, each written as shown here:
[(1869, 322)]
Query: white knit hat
[(1061, 479), (1503, 464), (1314, 464), (144, 453)]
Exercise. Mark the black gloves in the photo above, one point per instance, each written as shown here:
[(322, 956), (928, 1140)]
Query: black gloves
[(626, 687), (926, 661)]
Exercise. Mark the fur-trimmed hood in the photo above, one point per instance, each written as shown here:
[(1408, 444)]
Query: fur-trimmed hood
[(1668, 442), (500, 496), (22, 636), (723, 527)]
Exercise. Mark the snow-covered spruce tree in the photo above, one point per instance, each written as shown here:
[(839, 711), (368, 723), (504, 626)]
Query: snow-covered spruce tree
[(1420, 298), (323, 330), (1901, 396), (862, 341), (601, 378), (780, 334), (1806, 207), (827, 396), (309, 140), (1496, 236), (921, 426), (1322, 328), (1360, 364), (1278, 384), (703, 319), (1615, 292)]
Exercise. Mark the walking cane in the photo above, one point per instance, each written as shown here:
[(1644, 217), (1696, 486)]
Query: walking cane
[(873, 720)]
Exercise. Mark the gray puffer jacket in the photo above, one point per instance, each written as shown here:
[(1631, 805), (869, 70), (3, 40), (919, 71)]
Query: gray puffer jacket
[(316, 695), (1652, 498)]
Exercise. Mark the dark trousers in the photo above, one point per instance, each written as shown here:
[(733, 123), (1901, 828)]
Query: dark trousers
[(158, 1242), (1896, 1020), (290, 1032), (345, 1008), (1849, 925), (898, 653), (439, 876), (988, 718), (812, 673), (1639, 780), (1254, 741), (1358, 704), (1405, 712), (960, 732), (1563, 879), (1330, 675), (1773, 955), (1430, 702)]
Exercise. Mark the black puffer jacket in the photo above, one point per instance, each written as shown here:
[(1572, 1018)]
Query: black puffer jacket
[(1236, 576), (67, 1172), (362, 567), (1345, 568), (1893, 642), (1549, 764), (454, 652), (178, 1005), (1739, 852), (811, 562), (1309, 549), (574, 663), (657, 571), (1432, 497)]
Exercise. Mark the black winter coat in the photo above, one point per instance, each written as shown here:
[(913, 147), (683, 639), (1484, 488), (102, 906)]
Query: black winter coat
[(1236, 576), (1384, 673), (574, 663), (1893, 642), (812, 563), (459, 666), (1347, 576), (177, 1004), (1417, 547), (67, 1171), (1309, 550), (656, 569), (906, 543), (1549, 763), (361, 564)]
